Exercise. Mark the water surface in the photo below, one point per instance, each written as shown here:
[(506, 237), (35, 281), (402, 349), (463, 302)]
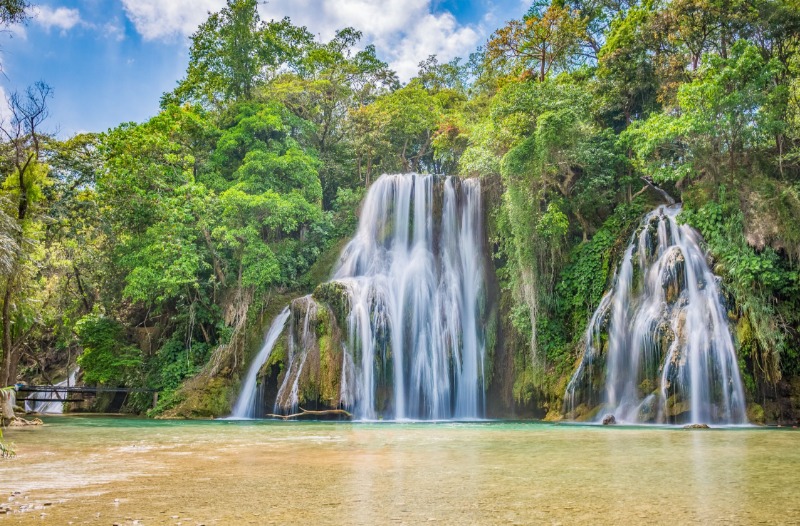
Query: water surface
[(95, 470)]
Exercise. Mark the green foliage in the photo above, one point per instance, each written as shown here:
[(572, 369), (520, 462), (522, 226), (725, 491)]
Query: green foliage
[(732, 108), (13, 11), (765, 287), (106, 359), (232, 51)]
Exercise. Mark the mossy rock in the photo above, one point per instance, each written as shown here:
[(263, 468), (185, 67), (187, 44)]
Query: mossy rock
[(553, 415), (585, 413), (336, 296), (646, 387), (203, 398), (677, 407), (755, 414), (277, 357)]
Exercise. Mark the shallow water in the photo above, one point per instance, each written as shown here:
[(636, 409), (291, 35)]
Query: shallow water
[(94, 470)]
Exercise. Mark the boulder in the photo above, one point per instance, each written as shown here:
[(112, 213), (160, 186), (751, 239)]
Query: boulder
[(609, 420), (696, 426)]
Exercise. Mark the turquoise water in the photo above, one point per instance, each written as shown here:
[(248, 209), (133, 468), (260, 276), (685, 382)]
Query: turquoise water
[(95, 470)]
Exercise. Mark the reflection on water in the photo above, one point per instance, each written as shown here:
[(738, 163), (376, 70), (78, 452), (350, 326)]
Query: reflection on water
[(102, 471)]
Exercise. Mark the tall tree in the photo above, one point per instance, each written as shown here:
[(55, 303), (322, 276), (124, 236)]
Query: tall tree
[(23, 175), (544, 40)]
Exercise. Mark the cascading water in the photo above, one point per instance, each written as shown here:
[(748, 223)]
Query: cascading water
[(412, 289), (245, 406), (658, 348), (52, 405)]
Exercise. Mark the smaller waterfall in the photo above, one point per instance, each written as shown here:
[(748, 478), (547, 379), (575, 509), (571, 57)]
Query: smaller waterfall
[(658, 347), (52, 406), (245, 406), (288, 399)]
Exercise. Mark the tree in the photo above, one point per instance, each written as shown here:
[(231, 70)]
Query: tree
[(541, 42), (13, 11), (627, 84), (233, 52), (724, 119), (333, 80), (23, 179)]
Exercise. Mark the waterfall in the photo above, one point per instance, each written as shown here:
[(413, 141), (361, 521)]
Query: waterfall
[(658, 347), (245, 406), (52, 406), (411, 289)]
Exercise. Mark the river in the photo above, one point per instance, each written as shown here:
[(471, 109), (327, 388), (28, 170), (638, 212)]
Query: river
[(101, 470)]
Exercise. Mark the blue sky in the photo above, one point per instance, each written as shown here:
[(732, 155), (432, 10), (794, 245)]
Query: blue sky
[(109, 61)]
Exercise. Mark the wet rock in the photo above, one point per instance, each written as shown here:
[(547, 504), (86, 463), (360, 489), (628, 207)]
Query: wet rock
[(673, 279), (696, 426), (609, 420)]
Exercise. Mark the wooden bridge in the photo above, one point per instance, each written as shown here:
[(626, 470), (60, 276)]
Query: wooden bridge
[(63, 393)]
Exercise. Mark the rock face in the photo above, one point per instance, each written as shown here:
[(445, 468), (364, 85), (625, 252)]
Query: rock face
[(609, 420), (659, 347)]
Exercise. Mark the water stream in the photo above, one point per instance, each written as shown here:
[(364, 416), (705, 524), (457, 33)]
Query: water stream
[(658, 348), (245, 406)]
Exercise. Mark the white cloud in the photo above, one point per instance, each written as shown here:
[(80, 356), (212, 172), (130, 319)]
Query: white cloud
[(113, 30), (158, 19), (432, 35), (404, 32), (62, 18), (18, 31)]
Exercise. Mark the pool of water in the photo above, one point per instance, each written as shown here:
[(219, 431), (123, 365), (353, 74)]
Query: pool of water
[(95, 470)]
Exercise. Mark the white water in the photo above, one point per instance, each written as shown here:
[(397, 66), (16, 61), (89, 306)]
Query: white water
[(52, 407), (669, 352), (413, 277), (245, 406)]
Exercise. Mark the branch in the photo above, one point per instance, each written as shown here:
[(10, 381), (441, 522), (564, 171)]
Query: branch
[(304, 412)]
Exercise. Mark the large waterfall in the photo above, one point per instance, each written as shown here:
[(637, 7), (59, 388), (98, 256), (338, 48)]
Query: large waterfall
[(658, 348), (409, 321)]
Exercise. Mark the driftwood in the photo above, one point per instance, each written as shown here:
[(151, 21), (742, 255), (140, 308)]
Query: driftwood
[(305, 412)]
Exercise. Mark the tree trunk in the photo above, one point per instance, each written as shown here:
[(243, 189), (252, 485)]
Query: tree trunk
[(542, 64), (7, 340)]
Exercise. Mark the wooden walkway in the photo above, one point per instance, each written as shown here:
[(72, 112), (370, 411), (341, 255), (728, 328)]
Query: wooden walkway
[(62, 393)]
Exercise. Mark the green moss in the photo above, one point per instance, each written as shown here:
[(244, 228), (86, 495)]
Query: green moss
[(676, 407), (755, 414), (322, 269), (646, 387), (210, 398), (278, 356), (335, 295)]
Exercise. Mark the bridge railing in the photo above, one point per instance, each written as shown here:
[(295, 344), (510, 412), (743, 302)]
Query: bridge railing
[(64, 390)]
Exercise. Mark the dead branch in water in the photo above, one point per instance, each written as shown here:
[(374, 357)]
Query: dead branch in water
[(305, 412)]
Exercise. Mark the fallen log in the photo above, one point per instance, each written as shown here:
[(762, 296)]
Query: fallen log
[(306, 412)]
